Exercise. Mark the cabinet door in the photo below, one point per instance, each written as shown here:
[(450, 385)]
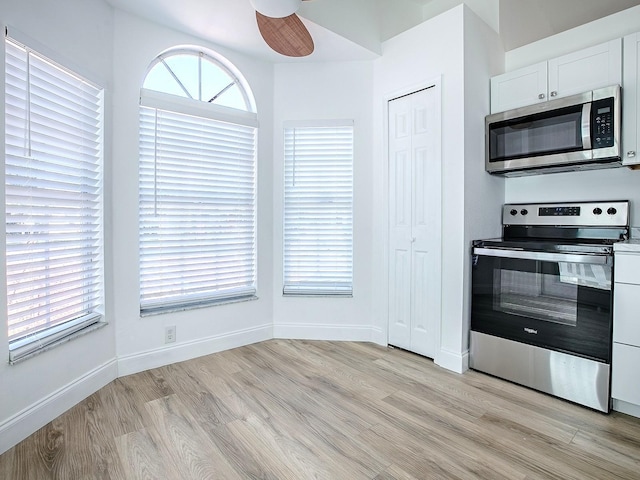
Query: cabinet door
[(519, 88), (626, 314), (588, 69), (631, 100), (627, 268), (624, 377)]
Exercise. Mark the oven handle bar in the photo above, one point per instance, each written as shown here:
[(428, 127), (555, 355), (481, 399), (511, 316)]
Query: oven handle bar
[(544, 256)]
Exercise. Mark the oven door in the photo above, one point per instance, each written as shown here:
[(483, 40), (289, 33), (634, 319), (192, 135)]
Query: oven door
[(556, 301)]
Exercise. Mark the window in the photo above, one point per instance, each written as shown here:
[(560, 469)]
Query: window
[(197, 185), (318, 209), (53, 175)]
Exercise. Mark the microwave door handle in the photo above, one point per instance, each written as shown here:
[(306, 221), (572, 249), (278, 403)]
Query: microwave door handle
[(543, 256), (586, 126)]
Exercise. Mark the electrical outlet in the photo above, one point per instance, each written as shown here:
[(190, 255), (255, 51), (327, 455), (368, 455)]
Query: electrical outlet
[(170, 334)]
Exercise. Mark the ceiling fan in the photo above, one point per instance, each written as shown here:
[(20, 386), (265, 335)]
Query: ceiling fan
[(281, 28)]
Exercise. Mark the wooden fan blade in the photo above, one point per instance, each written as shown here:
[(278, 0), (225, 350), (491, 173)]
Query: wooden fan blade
[(287, 36)]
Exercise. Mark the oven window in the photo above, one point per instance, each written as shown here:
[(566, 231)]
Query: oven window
[(536, 295), (548, 296)]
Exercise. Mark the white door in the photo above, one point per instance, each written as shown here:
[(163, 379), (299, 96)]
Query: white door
[(415, 221)]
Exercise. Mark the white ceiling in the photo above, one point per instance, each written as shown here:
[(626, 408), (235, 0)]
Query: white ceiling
[(525, 21), (354, 29)]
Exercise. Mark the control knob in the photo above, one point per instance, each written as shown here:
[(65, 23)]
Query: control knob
[(524, 211), (597, 211), (513, 212), (612, 211)]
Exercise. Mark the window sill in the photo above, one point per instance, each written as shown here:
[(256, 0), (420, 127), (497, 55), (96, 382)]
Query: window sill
[(46, 347), (184, 308), (316, 295)]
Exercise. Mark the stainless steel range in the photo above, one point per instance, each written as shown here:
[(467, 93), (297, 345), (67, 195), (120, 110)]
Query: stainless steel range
[(542, 296)]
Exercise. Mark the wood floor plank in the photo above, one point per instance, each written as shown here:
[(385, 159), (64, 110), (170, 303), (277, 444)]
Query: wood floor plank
[(141, 458), (192, 454), (393, 472), (121, 410), (194, 393), (287, 409)]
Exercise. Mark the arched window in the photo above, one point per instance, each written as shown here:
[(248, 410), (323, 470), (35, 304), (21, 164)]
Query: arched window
[(200, 76), (197, 183)]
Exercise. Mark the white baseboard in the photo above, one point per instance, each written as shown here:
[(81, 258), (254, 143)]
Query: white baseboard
[(456, 362), (138, 362), (626, 407), (350, 333), (24, 423), (379, 336)]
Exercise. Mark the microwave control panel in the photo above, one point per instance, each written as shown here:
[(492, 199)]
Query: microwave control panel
[(602, 125)]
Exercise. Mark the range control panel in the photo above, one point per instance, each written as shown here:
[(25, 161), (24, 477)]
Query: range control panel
[(589, 214)]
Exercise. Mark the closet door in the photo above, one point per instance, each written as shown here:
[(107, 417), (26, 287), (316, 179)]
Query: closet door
[(414, 221)]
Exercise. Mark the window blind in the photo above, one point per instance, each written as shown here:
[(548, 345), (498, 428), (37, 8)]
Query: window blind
[(318, 210), (197, 210), (53, 175)]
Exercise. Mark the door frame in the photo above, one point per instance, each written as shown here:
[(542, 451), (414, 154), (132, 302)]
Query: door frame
[(434, 83)]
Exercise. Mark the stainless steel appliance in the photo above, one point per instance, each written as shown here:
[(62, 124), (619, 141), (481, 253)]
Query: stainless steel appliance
[(573, 133), (541, 308)]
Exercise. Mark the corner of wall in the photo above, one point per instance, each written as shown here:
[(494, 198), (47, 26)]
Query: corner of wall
[(19, 426), (453, 361)]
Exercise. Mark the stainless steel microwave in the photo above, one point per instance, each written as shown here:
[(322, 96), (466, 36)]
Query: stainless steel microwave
[(579, 132)]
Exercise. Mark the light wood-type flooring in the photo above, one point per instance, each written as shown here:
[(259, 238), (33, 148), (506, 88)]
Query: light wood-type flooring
[(286, 409)]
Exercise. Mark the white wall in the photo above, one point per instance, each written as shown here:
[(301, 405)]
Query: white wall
[(483, 193), (471, 198), (611, 184), (327, 91), (77, 33), (614, 26), (140, 341), (410, 61), (487, 10)]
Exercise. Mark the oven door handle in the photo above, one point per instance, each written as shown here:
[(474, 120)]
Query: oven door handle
[(544, 256)]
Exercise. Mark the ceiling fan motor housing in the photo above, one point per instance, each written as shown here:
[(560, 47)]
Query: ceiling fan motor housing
[(276, 8)]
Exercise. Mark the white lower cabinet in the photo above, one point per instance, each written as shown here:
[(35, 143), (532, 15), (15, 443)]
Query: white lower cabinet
[(625, 382)]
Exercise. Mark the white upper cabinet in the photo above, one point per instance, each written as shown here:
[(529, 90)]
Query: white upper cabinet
[(631, 100), (588, 69), (577, 72), (521, 87)]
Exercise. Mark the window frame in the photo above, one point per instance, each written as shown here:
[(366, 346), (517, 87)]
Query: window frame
[(37, 340), (216, 59), (328, 288), (178, 105)]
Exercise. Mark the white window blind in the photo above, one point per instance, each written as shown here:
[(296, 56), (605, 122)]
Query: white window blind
[(53, 173), (318, 210), (197, 210)]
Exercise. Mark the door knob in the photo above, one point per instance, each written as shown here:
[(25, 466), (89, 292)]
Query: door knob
[(541, 96)]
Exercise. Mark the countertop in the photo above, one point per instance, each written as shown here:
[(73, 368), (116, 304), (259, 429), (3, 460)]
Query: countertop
[(632, 245)]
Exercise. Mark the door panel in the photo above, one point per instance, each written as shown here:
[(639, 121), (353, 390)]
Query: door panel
[(400, 295), (415, 196)]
